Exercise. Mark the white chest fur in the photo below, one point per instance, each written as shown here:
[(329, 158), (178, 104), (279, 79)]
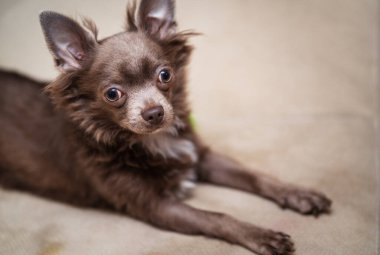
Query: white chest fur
[(170, 146)]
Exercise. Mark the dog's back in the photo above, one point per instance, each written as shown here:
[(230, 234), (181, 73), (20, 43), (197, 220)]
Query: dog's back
[(33, 151), (27, 123)]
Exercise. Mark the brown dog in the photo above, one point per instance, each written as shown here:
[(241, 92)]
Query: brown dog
[(114, 132)]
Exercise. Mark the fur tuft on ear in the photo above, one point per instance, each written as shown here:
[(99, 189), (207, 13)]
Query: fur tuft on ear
[(68, 42), (156, 17)]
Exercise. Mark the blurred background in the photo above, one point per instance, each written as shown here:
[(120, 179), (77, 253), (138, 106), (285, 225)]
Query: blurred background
[(287, 87)]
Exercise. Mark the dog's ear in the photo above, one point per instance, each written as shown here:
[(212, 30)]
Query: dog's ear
[(156, 17), (68, 42)]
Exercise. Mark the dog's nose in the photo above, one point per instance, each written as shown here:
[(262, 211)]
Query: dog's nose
[(153, 115)]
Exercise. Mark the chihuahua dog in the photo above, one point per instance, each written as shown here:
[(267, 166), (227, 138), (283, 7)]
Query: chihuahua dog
[(113, 131)]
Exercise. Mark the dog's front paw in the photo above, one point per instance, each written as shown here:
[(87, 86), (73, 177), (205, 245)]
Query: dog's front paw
[(305, 201), (268, 242)]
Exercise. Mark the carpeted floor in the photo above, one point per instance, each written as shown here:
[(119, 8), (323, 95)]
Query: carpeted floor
[(287, 87)]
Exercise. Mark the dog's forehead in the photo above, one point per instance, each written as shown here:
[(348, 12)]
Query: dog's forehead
[(131, 47), (128, 56)]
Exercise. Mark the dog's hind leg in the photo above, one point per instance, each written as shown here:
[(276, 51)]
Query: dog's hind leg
[(221, 170)]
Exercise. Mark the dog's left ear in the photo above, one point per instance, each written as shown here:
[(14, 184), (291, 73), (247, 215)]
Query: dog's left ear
[(156, 17)]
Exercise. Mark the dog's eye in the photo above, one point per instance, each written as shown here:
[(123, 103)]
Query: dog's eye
[(165, 76), (113, 94)]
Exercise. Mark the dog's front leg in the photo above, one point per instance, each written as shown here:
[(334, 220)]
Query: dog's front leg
[(142, 199), (221, 170), (185, 219)]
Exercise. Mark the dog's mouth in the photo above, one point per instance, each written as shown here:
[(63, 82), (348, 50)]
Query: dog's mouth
[(152, 129), (145, 129)]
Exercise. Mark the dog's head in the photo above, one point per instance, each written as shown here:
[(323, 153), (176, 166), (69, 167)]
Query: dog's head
[(132, 81)]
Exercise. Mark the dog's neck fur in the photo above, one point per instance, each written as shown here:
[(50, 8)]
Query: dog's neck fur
[(169, 145)]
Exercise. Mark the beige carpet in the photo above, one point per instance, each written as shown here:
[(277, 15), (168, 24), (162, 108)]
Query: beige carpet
[(288, 87)]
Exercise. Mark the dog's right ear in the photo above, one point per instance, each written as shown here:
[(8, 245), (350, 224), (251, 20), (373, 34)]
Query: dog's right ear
[(68, 42)]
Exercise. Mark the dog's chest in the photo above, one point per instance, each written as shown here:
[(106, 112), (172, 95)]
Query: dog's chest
[(178, 149), (171, 147)]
